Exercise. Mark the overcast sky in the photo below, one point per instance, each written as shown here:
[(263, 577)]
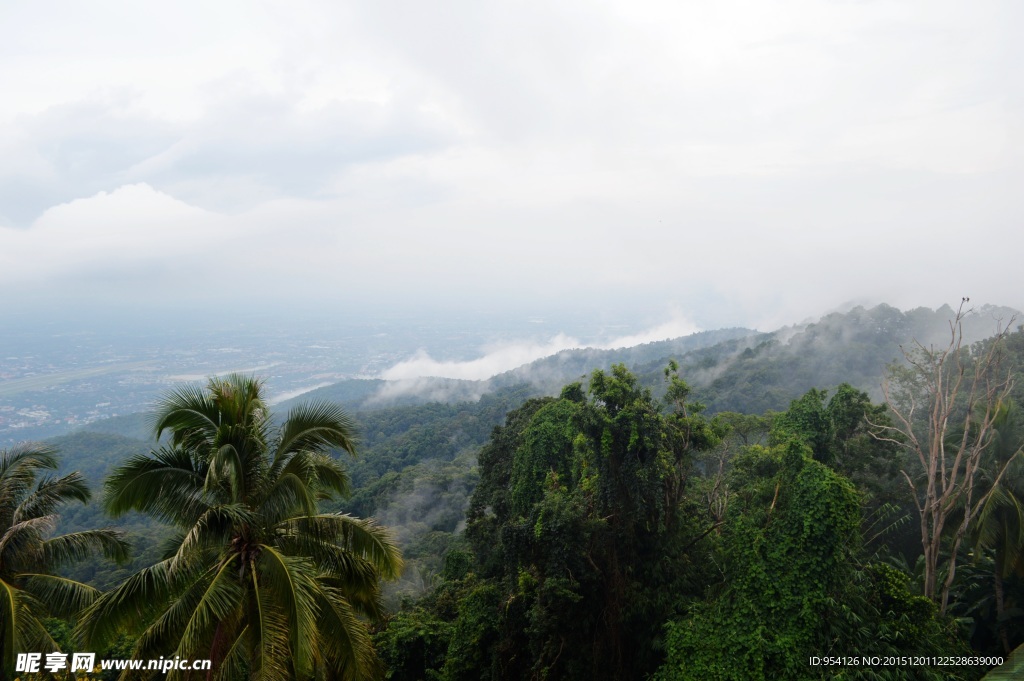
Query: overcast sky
[(727, 162)]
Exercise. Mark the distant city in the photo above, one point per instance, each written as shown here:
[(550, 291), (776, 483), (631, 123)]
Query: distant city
[(54, 380)]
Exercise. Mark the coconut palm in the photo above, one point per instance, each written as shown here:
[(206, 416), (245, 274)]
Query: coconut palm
[(30, 500), (999, 525), (257, 578)]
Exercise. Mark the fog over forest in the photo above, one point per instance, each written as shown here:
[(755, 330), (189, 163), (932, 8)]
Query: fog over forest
[(550, 339)]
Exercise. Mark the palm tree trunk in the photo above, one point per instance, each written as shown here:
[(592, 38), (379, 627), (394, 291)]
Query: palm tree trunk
[(1000, 607)]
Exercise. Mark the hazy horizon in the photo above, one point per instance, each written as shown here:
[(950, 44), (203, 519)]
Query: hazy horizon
[(733, 164)]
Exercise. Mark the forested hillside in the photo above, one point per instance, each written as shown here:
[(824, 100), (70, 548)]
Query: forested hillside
[(755, 543), (413, 450), (725, 505)]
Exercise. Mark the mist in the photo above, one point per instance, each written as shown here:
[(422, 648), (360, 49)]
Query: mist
[(499, 358)]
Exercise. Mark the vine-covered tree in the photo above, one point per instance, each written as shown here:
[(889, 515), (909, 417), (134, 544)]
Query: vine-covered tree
[(793, 585), (841, 432), (584, 538)]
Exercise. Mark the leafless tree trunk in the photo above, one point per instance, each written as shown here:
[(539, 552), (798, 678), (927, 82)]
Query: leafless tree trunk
[(960, 394)]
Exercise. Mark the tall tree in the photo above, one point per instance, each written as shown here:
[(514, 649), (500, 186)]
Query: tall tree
[(944, 391), (257, 579), (838, 432), (999, 524), (30, 501), (842, 435), (584, 535)]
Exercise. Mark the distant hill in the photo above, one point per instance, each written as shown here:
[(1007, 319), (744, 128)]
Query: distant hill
[(94, 454), (549, 374), (855, 347), (732, 369), (418, 439), (544, 376), (403, 422)]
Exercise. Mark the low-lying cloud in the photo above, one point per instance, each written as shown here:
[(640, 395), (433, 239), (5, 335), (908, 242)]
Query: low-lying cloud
[(497, 359), (506, 356), (430, 389)]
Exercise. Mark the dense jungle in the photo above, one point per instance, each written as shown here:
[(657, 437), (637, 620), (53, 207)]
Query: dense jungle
[(842, 499)]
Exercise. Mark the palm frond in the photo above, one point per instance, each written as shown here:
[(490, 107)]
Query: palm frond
[(287, 497), (318, 470), (348, 653), (316, 427), (50, 494), (271, 633), (27, 455), (362, 537), (243, 414), (191, 415), (19, 467), (29, 504), (8, 625), (21, 543), (1000, 525), (338, 567), (165, 484), (69, 548), (290, 580), (363, 596), (163, 635), (62, 597), (20, 628), (226, 472), (234, 661), (133, 603), (222, 596), (215, 528)]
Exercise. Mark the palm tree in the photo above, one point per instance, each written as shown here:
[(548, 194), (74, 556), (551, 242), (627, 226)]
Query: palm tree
[(257, 579), (29, 556), (999, 525)]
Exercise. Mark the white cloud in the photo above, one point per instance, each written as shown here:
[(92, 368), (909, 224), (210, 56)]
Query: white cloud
[(510, 355), (497, 359), (130, 228), (674, 328), (766, 160)]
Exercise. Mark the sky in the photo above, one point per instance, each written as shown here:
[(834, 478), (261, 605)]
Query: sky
[(717, 164)]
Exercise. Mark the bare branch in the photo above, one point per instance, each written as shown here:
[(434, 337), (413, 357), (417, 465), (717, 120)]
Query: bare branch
[(951, 381)]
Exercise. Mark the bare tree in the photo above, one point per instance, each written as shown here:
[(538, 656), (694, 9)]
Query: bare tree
[(945, 404)]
